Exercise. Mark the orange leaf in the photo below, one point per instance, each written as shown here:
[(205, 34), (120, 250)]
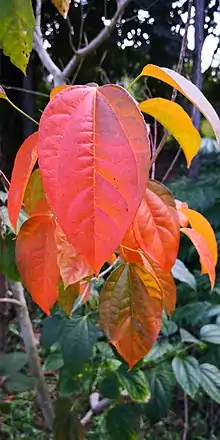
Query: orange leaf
[(87, 136), (72, 265), (206, 257), (23, 166), (42, 208), (36, 259), (57, 90), (34, 192), (62, 6), (166, 283), (183, 220), (130, 311), (201, 225)]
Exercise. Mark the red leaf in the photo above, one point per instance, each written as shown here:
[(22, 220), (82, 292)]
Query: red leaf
[(72, 265), (206, 257), (36, 259), (130, 311), (23, 166), (155, 229), (94, 158)]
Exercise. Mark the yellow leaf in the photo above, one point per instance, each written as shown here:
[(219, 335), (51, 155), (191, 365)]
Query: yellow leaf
[(34, 192), (2, 93), (177, 122), (188, 89), (62, 6), (201, 225), (56, 90), (68, 296)]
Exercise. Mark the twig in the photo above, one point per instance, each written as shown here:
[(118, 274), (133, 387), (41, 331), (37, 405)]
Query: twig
[(83, 16), (97, 408), (186, 417), (43, 395), (70, 35), (4, 180), (171, 166), (77, 71), (21, 89), (179, 69), (11, 300)]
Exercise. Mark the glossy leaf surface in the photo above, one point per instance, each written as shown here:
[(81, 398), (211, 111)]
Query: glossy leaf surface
[(130, 311), (177, 122), (37, 260), (62, 6), (206, 257), (87, 136), (187, 374), (188, 89), (210, 381), (23, 166)]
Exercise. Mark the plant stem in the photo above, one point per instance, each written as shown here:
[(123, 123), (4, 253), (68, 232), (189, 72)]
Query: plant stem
[(21, 111), (186, 417), (133, 82)]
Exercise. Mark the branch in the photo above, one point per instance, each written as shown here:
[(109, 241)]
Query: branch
[(31, 349), (96, 407), (12, 301), (96, 42), (186, 417)]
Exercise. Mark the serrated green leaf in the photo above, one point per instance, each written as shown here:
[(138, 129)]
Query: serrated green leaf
[(210, 333), (19, 382), (187, 374), (11, 363), (160, 390), (123, 422), (134, 382), (181, 273), (168, 326), (188, 337), (54, 361), (77, 341), (158, 350), (16, 31), (109, 386), (210, 381), (52, 330)]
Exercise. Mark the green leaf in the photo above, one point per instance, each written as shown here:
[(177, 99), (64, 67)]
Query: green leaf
[(109, 387), (16, 31), (52, 330), (181, 273), (218, 320), (168, 326), (210, 333), (7, 257), (11, 363), (123, 422), (134, 382), (187, 374), (210, 381), (158, 350), (68, 384), (53, 362), (160, 390), (187, 337), (5, 407), (19, 382), (66, 423), (78, 338)]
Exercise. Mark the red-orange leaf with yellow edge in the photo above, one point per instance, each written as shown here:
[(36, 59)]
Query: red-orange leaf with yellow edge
[(36, 259), (23, 166), (57, 90), (205, 254), (94, 158), (73, 267), (130, 311)]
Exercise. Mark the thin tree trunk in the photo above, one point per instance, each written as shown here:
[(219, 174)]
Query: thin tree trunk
[(197, 72)]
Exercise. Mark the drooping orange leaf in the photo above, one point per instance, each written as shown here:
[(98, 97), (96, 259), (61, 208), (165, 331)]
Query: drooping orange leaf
[(68, 296), (36, 259), (87, 136), (206, 257), (177, 122), (57, 90), (34, 192), (130, 311), (42, 208), (23, 166), (73, 267), (183, 220), (200, 224), (166, 283), (188, 89), (62, 6)]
